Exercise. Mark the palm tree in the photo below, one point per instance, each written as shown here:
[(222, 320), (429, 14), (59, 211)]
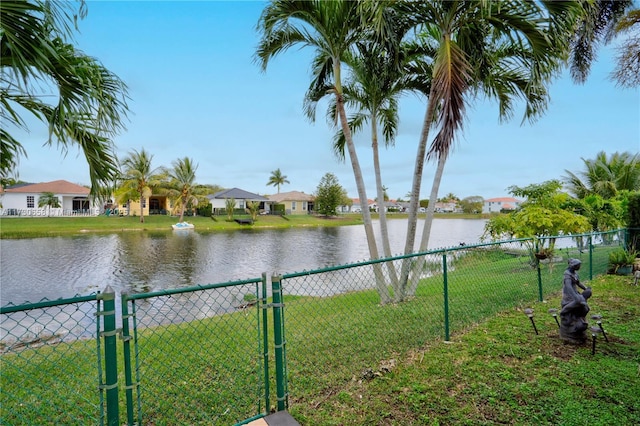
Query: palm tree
[(182, 183), (90, 100), (138, 179), (379, 76), (277, 179), (50, 200), (496, 49), (331, 28), (596, 25), (605, 176), (627, 71)]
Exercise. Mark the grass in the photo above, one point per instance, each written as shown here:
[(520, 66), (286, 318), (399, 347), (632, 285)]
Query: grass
[(500, 372), (351, 361), (35, 227), (60, 226)]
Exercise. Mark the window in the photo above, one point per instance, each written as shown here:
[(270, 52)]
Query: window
[(31, 201), (304, 205), (293, 205)]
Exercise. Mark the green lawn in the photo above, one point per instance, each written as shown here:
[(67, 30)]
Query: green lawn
[(55, 226), (351, 361)]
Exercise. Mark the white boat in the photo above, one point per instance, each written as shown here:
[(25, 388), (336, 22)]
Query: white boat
[(183, 225)]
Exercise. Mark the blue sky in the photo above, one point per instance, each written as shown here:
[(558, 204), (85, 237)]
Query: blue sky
[(197, 92)]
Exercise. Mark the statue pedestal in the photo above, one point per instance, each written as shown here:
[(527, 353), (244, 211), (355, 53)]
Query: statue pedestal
[(573, 329)]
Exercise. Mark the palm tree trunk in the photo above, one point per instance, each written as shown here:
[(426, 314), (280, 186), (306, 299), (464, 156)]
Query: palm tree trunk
[(384, 232), (366, 214), (181, 213), (141, 209), (415, 194), (418, 265), (435, 186)]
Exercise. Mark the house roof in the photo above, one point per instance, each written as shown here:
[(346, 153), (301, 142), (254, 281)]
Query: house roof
[(356, 201), (237, 194), (502, 200), (56, 186), (291, 196)]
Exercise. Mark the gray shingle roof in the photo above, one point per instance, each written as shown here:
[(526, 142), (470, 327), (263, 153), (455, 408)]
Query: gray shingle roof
[(237, 194)]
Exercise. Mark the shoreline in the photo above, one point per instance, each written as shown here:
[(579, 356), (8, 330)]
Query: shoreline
[(39, 227)]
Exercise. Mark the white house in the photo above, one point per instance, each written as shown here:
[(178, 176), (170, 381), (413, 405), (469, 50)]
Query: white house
[(22, 200), (219, 199), (496, 205)]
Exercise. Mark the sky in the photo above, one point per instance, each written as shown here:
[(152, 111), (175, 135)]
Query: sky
[(196, 91)]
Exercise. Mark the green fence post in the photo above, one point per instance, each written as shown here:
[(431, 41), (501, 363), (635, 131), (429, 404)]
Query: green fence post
[(590, 257), (278, 342), (265, 337), (446, 296), (537, 249), (126, 344), (110, 355)]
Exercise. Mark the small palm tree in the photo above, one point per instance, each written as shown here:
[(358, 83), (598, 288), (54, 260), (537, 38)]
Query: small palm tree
[(182, 184), (605, 176), (50, 200), (230, 206), (138, 179), (253, 207), (277, 178)]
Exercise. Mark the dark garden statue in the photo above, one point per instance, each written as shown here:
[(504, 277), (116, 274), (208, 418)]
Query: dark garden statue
[(574, 306)]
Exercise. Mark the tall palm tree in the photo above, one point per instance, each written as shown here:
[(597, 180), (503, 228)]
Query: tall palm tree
[(331, 28), (378, 77), (48, 199), (90, 100), (497, 49), (277, 179), (605, 176), (182, 184), (138, 179)]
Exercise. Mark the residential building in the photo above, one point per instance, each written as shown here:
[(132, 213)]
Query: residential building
[(219, 200), (22, 200), (295, 202), (496, 205)]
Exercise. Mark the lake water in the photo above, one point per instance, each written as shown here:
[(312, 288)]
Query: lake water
[(61, 267)]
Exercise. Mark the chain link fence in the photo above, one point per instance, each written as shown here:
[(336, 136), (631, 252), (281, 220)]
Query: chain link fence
[(220, 353), (50, 363), (365, 310), (199, 354)]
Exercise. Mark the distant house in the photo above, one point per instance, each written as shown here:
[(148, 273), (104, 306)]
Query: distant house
[(448, 207), (496, 205), (357, 208), (154, 204), (295, 202), (219, 200), (22, 200)]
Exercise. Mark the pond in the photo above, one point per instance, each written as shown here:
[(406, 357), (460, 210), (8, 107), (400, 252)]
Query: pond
[(61, 267)]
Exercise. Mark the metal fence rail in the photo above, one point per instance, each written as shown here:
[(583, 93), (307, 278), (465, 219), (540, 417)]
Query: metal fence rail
[(225, 353)]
